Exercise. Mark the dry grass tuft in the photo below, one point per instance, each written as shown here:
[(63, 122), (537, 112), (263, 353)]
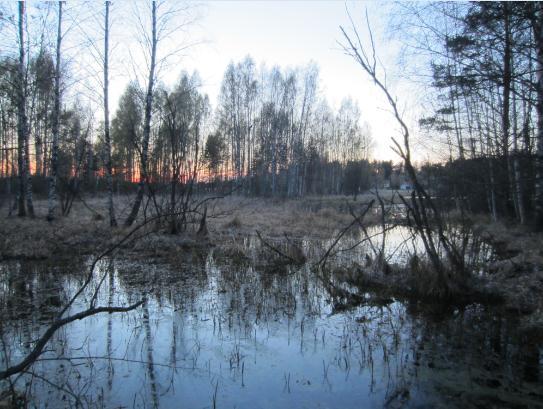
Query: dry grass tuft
[(235, 223)]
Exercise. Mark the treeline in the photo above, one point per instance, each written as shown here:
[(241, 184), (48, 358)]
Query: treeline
[(271, 133), (485, 60), (277, 137), (281, 136)]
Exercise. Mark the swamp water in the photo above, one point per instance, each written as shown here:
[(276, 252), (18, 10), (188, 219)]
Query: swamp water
[(224, 333)]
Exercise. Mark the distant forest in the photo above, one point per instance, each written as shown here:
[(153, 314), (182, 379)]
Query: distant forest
[(272, 132)]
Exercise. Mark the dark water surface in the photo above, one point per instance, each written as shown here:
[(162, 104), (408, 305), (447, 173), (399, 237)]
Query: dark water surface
[(224, 333)]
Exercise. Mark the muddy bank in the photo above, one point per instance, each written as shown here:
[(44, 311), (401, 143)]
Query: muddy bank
[(34, 239), (517, 273)]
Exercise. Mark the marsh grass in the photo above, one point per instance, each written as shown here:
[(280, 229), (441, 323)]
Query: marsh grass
[(86, 228), (305, 217), (287, 224)]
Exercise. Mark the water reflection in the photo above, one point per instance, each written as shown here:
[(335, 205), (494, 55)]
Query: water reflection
[(227, 334)]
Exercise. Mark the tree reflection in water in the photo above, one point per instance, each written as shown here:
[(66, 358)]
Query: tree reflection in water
[(229, 333)]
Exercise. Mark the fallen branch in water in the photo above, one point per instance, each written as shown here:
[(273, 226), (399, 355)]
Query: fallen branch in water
[(277, 251), (40, 344), (61, 321)]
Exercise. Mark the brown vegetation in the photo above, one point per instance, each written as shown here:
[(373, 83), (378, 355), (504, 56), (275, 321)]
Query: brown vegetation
[(310, 217), (517, 274), (514, 276), (87, 228)]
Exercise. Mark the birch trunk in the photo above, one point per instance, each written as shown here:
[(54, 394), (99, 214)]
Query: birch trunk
[(538, 35), (52, 195), (22, 122), (23, 152), (107, 138), (147, 123)]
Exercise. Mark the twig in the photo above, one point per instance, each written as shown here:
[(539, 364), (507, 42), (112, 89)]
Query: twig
[(275, 249), (324, 258)]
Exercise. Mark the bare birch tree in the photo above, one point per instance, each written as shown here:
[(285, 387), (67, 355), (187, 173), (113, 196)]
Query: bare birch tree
[(52, 194), (107, 138), (167, 21), (23, 151), (153, 40), (537, 21)]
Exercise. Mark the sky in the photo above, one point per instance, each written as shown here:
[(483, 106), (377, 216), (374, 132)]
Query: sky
[(293, 33), (283, 33), (289, 34)]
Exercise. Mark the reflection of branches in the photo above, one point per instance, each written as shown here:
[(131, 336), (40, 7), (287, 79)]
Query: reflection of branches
[(40, 344), (6, 355), (111, 291), (150, 361), (367, 237), (55, 385), (109, 358), (411, 237), (378, 253), (61, 320), (276, 250)]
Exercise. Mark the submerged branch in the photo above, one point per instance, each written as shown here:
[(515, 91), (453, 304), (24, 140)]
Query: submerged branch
[(42, 341), (276, 250), (357, 220)]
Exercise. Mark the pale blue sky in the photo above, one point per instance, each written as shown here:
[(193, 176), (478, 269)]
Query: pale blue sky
[(284, 33), (288, 34)]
